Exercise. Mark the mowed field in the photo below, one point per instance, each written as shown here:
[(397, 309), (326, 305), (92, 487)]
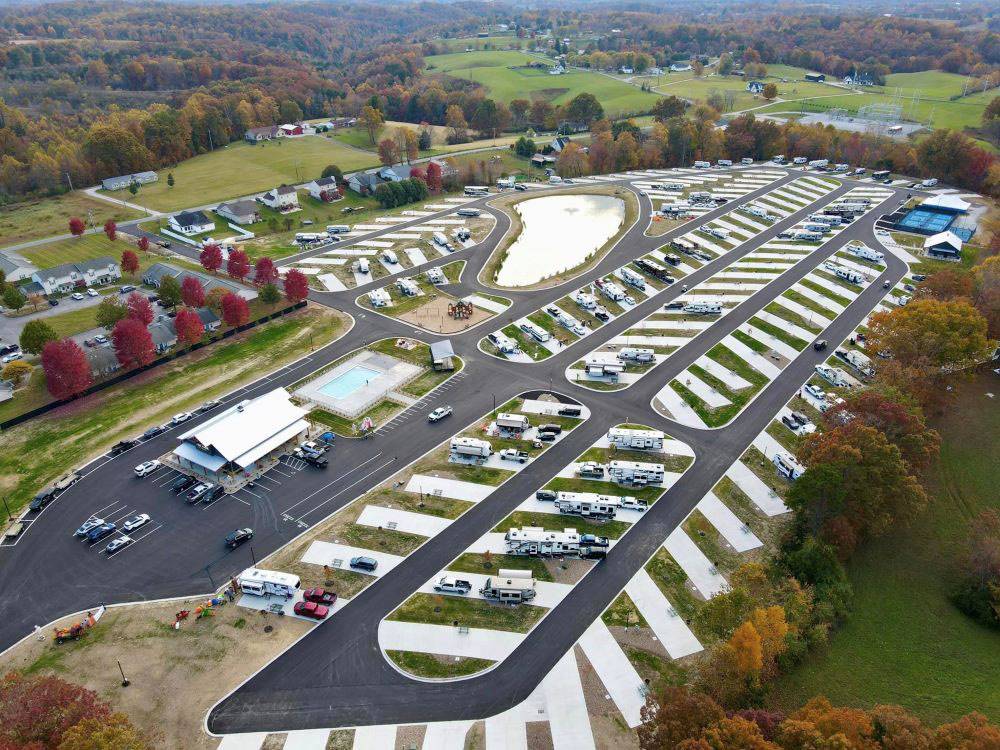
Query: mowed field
[(905, 643), (500, 73), (44, 217), (241, 169)]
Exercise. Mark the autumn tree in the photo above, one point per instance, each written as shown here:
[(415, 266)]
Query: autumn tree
[(109, 311), (238, 265), (138, 307), (76, 226), (170, 291), (130, 261), (114, 732), (211, 258), (668, 107), (111, 229), (296, 285), (434, 177), (133, 343), (372, 121), (572, 161), (986, 292), (946, 284), (332, 170), (675, 714), (269, 294), (388, 152), (584, 107), (13, 297), (773, 629), (264, 271), (143, 243), (38, 711), (192, 292), (189, 327), (213, 299), (978, 591), (35, 335), (16, 372), (770, 91), (734, 732), (67, 371), (457, 124), (235, 310)]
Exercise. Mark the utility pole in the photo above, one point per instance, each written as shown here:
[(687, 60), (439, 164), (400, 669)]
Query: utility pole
[(70, 181)]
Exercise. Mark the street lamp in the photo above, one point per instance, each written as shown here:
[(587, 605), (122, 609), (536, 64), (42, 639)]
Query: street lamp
[(125, 680)]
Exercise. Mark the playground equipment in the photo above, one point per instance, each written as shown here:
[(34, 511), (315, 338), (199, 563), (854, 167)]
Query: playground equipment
[(78, 630), (207, 609), (460, 310)]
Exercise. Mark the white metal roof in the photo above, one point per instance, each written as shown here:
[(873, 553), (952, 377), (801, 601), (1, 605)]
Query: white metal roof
[(192, 453), (629, 432), (250, 429), (270, 576), (949, 238), (950, 202)]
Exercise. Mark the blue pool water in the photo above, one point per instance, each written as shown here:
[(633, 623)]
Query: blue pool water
[(348, 382)]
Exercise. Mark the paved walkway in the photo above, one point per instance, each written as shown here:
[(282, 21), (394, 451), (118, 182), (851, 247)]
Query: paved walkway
[(453, 488), (307, 739), (445, 735), (659, 613), (378, 737), (477, 643), (567, 707)]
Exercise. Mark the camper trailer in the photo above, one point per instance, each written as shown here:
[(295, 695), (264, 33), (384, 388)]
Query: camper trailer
[(833, 375), (860, 250), (787, 466), (601, 369), (849, 275), (390, 257), (702, 164), (819, 163), (720, 232), (633, 278), (504, 343), (379, 298), (435, 275), (466, 446), (630, 439), (363, 266), (655, 270), (509, 586), (635, 354), (828, 219), (703, 308), (635, 472), (859, 361), (512, 422), (612, 291), (535, 331), (584, 300), (408, 287), (260, 582), (592, 505), (505, 183), (677, 207), (536, 541), (470, 211)]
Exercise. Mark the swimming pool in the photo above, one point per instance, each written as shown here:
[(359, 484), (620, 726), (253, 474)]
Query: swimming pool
[(348, 382)]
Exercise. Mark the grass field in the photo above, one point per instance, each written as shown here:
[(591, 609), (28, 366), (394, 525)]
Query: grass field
[(43, 217), (75, 250), (241, 169), (500, 73), (905, 643)]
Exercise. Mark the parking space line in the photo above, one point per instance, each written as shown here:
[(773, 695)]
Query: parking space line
[(374, 471), (259, 497), (109, 505), (329, 484)]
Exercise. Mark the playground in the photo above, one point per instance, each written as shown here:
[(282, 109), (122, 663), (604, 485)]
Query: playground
[(172, 672), (444, 314)]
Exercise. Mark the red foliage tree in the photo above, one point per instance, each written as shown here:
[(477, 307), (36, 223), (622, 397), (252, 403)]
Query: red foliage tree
[(111, 229), (296, 285), (434, 177), (416, 173), (133, 343), (235, 310), (144, 243), (189, 327), (211, 258), (264, 271), (67, 371), (192, 292), (36, 711), (238, 265), (76, 226), (130, 261), (139, 308)]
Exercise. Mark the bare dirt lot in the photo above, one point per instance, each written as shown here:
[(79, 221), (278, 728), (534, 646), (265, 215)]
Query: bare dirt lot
[(176, 675), (433, 316)]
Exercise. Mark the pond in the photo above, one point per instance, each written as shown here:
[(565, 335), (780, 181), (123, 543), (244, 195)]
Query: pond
[(559, 232)]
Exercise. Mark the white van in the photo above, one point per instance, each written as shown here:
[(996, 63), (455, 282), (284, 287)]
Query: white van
[(930, 182), (702, 165), (555, 180), (725, 162), (799, 160), (746, 160), (363, 266)]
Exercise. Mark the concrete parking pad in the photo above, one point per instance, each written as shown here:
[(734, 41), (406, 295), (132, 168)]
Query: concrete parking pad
[(445, 735), (679, 408), (723, 373), (307, 739), (547, 594), (615, 670), (453, 488), (378, 737), (328, 553), (670, 628), (476, 643), (567, 707), (761, 495), (692, 560), (752, 358), (702, 390), (402, 520), (734, 531), (507, 731)]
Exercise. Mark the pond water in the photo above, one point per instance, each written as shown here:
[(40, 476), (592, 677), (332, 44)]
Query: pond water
[(559, 232)]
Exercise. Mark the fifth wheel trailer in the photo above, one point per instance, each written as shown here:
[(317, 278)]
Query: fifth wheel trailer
[(260, 582), (629, 439), (466, 446), (635, 472)]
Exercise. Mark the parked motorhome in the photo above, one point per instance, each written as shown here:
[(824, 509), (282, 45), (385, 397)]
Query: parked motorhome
[(509, 586), (260, 582), (470, 211), (702, 165), (612, 291), (703, 308), (535, 331), (390, 257), (819, 163), (631, 439), (337, 228), (859, 361), (760, 213), (512, 422), (849, 275), (833, 375), (435, 275), (306, 238), (725, 162), (882, 174), (584, 300), (362, 266), (476, 190), (505, 183), (504, 343), (592, 505), (799, 160), (721, 232), (787, 466), (466, 446), (860, 250), (633, 278), (379, 298), (635, 472), (655, 270), (828, 219), (408, 287), (930, 182), (635, 354)]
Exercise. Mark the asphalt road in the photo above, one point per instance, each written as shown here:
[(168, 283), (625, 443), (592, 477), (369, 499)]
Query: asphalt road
[(336, 676)]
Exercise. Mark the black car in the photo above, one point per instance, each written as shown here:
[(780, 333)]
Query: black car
[(122, 446), (53, 303), (570, 411), (545, 495), (152, 432), (320, 462), (550, 428), (819, 345), (235, 538), (214, 494), (183, 483), (918, 277), (42, 499), (547, 437)]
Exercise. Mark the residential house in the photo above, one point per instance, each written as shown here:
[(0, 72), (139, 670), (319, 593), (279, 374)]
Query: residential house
[(284, 198), (164, 333), (944, 245), (859, 79), (626, 71), (324, 188), (239, 212), (364, 183), (559, 143), (123, 181), (448, 170), (103, 360), (71, 276), (396, 173), (344, 122), (288, 130), (209, 319), (680, 68), (755, 87), (191, 223), (14, 270), (541, 160), (815, 77), (267, 133), (557, 70), (572, 126), (154, 275)]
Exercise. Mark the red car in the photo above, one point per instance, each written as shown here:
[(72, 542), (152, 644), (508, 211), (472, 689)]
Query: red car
[(320, 596), (311, 609)]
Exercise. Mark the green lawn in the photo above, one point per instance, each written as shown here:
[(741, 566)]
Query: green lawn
[(40, 450), (428, 665), (501, 74), (904, 642), (44, 217), (472, 613), (76, 249), (473, 562), (240, 169)]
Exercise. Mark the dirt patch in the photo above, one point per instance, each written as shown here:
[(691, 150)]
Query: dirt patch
[(340, 739), (410, 736), (174, 673), (659, 226), (568, 570), (539, 735), (606, 721), (433, 316)]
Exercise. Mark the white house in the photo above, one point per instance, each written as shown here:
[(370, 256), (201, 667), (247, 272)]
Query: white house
[(755, 87), (191, 223), (680, 68), (72, 276), (559, 143), (123, 181), (945, 245), (284, 198), (239, 212), (242, 438), (325, 188)]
